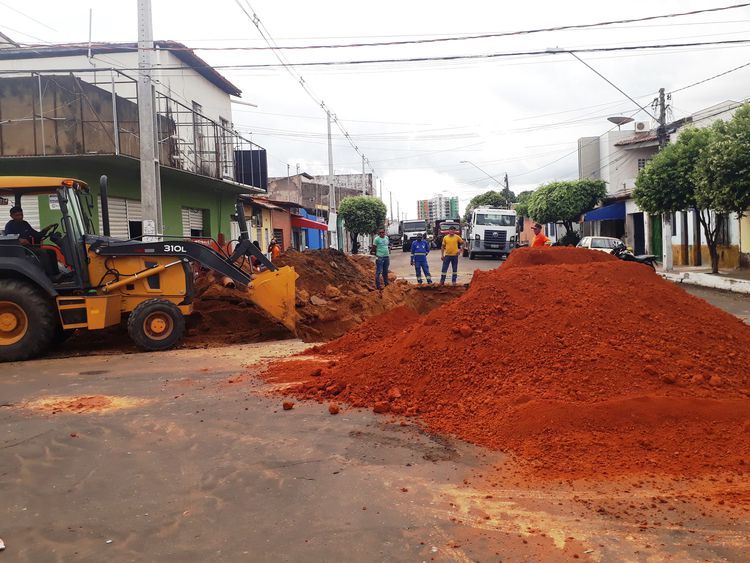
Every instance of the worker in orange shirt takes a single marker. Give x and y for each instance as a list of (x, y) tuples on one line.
[(540, 239), (274, 250)]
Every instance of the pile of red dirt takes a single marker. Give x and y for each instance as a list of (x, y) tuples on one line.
[(576, 362), (336, 292)]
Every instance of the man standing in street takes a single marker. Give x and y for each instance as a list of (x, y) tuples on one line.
[(382, 258), (419, 250), (540, 239), (449, 254)]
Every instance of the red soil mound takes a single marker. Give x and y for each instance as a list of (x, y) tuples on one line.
[(587, 366)]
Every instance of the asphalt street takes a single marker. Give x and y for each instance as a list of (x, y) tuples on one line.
[(186, 456)]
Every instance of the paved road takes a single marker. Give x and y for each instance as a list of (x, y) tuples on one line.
[(400, 265), (195, 463)]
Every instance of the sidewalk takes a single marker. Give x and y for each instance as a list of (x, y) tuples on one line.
[(737, 281)]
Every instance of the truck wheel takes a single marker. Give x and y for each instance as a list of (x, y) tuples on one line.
[(27, 321), (156, 324), (465, 253), (471, 256)]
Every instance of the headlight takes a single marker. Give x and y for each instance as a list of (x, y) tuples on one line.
[(477, 237)]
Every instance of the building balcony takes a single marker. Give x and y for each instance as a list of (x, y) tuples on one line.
[(85, 113)]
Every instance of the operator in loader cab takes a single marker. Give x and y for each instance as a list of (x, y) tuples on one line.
[(26, 233)]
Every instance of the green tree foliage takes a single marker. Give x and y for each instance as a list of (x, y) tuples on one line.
[(490, 199), (707, 169), (362, 215), (522, 203), (667, 183), (565, 202)]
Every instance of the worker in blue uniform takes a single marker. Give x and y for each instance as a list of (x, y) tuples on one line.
[(419, 250)]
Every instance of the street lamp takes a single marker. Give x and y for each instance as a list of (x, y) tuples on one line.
[(490, 176)]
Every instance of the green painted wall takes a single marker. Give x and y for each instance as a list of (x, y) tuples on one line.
[(124, 181)]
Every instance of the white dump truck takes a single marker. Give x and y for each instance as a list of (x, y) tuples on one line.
[(491, 231)]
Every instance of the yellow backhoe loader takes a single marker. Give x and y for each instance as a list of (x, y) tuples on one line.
[(88, 281)]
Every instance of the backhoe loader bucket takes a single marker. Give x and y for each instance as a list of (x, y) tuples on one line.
[(274, 293)]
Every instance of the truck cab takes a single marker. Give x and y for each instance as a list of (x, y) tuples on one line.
[(409, 228), (442, 228), (491, 231)]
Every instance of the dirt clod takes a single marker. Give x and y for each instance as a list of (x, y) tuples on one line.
[(287, 405)]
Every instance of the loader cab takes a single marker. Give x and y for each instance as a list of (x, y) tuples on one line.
[(59, 262)]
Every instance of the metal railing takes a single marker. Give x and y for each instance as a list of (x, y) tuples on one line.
[(84, 112)]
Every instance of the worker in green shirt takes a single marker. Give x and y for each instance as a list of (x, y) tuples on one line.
[(382, 258)]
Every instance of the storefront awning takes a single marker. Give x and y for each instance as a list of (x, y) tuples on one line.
[(302, 223), (611, 212)]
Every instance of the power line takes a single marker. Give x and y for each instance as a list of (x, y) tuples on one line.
[(710, 78), (479, 56), (482, 35), (290, 68), (615, 86)]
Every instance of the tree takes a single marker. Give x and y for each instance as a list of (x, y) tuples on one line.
[(362, 215), (565, 202), (722, 177), (522, 203), (490, 199), (668, 184)]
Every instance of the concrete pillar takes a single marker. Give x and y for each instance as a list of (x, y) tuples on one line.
[(667, 242)]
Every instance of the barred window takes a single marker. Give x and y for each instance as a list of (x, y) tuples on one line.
[(642, 162)]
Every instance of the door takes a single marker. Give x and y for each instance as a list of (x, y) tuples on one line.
[(656, 247), (684, 238), (639, 236)]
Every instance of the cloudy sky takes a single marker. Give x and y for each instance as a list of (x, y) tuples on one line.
[(417, 121)]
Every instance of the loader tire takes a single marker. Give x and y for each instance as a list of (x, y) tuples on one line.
[(27, 321), (156, 325)]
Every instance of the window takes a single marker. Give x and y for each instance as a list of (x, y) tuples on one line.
[(278, 234), (198, 135), (600, 243), (227, 154), (495, 220), (722, 236), (642, 162)]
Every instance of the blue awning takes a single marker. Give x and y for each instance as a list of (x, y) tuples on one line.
[(611, 212)]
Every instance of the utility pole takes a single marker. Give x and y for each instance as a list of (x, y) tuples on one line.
[(380, 183), (661, 133), (398, 210), (332, 218), (150, 176), (364, 186), (390, 207)]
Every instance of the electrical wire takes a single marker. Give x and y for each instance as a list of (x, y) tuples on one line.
[(480, 36), (292, 70)]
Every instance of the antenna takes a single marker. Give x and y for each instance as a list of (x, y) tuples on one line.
[(91, 18), (620, 120)]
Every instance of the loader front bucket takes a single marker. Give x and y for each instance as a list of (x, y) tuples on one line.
[(274, 292)]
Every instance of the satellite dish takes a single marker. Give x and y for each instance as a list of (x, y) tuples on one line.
[(620, 120)]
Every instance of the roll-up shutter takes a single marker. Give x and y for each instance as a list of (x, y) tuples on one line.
[(192, 221), (30, 206), (118, 218), (135, 210)]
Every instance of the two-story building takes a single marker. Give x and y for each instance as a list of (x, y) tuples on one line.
[(72, 110), (617, 157)]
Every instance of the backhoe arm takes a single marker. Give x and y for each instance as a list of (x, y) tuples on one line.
[(193, 251)]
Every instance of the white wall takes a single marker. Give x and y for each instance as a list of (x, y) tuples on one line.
[(185, 85)]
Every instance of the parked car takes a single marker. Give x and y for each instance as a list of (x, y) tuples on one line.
[(603, 244)]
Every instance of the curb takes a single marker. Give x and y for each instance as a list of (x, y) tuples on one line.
[(708, 280)]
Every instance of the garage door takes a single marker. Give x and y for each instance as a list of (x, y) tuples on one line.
[(192, 222), (30, 205)]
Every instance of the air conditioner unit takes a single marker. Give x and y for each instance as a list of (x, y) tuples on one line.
[(642, 126)]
